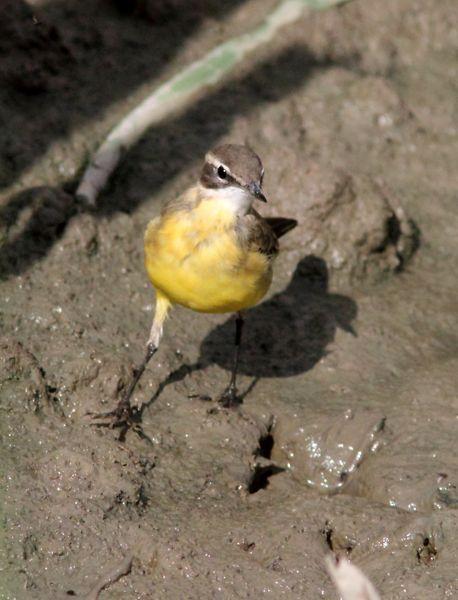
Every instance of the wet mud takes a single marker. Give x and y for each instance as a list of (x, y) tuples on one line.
[(345, 440)]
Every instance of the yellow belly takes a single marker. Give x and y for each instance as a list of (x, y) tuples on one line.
[(192, 257)]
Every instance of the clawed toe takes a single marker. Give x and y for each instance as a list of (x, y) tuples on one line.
[(229, 398), (123, 416), (203, 397)]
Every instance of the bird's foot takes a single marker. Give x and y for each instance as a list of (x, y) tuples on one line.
[(229, 398), (124, 417)]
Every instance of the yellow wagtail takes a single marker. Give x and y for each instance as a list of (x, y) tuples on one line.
[(210, 251)]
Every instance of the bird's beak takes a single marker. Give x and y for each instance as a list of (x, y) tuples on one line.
[(255, 189)]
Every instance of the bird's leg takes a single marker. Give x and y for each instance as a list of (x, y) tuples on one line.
[(122, 415), (123, 410), (229, 396)]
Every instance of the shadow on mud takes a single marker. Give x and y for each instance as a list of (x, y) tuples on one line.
[(63, 64), (165, 150), (289, 333)]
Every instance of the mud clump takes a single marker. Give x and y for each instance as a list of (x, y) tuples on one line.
[(352, 223), (347, 215), (326, 453)]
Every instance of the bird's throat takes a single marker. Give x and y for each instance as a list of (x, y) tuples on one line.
[(234, 199)]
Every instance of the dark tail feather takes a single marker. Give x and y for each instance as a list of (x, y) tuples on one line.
[(280, 225)]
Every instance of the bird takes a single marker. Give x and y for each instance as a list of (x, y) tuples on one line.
[(210, 251)]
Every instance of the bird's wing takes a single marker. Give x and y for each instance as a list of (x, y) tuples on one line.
[(254, 233), (257, 233), (280, 225)]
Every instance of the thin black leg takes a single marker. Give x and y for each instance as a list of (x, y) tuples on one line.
[(229, 396), (124, 407)]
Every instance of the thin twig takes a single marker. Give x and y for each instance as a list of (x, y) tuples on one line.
[(184, 88), (122, 569)]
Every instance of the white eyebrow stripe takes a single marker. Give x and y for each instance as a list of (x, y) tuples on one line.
[(212, 160)]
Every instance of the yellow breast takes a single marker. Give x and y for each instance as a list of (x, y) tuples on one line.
[(194, 258)]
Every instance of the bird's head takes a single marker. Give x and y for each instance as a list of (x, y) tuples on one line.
[(234, 172)]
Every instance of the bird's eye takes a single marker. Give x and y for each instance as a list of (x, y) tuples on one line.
[(222, 173)]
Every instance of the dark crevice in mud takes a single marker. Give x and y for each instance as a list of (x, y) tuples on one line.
[(426, 553), (415, 242), (393, 234), (262, 472), (53, 398), (266, 443), (260, 477), (327, 532), (394, 237), (334, 542), (394, 229)]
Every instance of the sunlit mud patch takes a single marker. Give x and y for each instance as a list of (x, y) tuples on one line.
[(412, 481), (326, 452), (413, 541)]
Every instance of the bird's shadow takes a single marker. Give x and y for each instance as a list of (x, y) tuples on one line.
[(285, 335), (289, 333)]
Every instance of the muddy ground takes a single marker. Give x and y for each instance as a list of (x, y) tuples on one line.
[(346, 438)]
